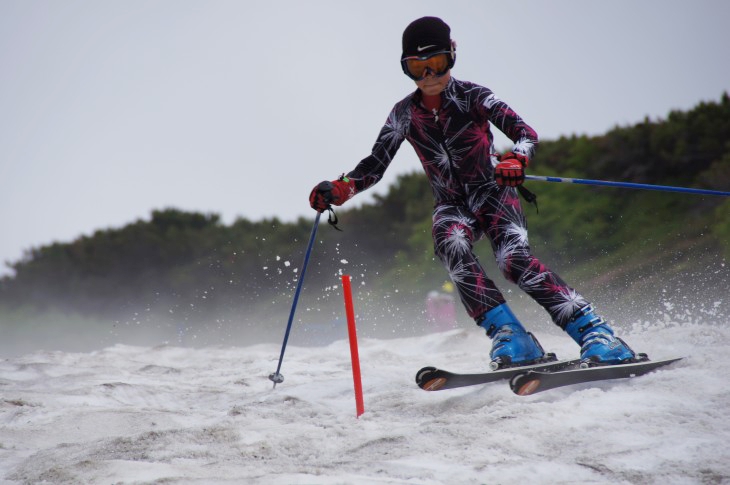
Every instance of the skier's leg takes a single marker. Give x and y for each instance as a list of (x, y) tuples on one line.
[(503, 220), (501, 217), (454, 233)]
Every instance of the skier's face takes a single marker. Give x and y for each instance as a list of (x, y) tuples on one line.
[(432, 85)]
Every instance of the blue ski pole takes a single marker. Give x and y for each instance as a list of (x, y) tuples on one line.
[(628, 185), (276, 376)]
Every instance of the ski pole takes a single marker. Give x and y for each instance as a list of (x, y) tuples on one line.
[(276, 377), (627, 185)]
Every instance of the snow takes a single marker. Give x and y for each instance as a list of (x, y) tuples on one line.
[(166, 414)]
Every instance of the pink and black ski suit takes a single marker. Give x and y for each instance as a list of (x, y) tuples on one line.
[(455, 146)]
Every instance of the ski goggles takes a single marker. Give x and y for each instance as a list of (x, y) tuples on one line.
[(437, 64)]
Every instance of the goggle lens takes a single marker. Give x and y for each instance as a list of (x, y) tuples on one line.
[(418, 68)]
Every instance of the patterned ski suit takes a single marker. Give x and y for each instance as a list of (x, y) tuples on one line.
[(455, 146)]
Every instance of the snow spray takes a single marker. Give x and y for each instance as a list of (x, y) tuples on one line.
[(352, 332)]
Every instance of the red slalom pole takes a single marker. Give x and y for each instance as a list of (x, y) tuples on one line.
[(352, 332)]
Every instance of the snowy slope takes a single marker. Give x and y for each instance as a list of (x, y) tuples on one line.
[(175, 415)]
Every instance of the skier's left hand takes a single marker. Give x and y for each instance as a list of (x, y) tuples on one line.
[(511, 169)]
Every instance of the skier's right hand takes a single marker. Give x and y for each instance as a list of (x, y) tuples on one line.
[(336, 192)]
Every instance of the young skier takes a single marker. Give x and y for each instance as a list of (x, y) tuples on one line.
[(447, 122)]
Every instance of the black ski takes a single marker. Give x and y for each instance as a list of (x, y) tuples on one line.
[(531, 381), (433, 379)]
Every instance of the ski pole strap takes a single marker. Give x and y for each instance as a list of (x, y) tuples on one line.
[(530, 197), (332, 219)]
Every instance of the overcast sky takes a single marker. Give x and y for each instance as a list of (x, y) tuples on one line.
[(111, 109)]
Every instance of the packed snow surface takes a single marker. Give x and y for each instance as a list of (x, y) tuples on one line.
[(169, 414)]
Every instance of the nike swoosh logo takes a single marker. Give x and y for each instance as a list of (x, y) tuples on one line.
[(420, 49)]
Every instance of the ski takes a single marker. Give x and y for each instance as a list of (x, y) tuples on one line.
[(531, 381), (433, 379)]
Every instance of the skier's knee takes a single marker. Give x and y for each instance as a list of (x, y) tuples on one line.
[(451, 240)]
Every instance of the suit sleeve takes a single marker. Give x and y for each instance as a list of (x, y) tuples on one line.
[(371, 168), (511, 124)]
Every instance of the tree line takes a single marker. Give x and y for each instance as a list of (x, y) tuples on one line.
[(187, 263)]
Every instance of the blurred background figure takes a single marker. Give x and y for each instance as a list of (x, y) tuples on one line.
[(441, 308)]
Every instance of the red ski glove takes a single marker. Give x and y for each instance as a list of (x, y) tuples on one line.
[(336, 192), (511, 169)]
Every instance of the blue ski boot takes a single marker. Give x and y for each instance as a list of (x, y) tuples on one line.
[(512, 345), (598, 345)]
